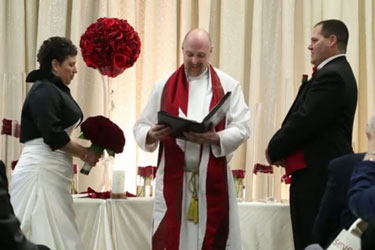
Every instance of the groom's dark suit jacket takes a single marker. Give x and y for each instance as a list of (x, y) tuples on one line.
[(320, 123)]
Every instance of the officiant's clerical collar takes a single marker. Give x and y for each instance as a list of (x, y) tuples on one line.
[(193, 78)]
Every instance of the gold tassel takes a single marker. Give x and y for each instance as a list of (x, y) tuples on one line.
[(193, 212)]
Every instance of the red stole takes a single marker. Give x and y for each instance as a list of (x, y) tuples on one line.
[(167, 236)]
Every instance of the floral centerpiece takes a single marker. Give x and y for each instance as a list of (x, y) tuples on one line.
[(238, 176), (104, 135), (144, 182), (110, 45), (260, 168), (11, 127), (6, 129)]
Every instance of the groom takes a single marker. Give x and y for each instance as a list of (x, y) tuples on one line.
[(318, 126)]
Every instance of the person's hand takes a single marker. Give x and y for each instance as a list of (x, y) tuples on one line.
[(157, 132), (279, 163), (209, 137), (91, 157)]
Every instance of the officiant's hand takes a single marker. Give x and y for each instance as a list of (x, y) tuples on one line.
[(157, 132), (209, 137)]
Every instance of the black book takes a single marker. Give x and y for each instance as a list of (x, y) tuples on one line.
[(180, 125)]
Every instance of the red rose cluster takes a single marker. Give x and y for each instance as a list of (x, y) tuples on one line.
[(103, 132), (11, 127), (260, 168), (110, 45), (148, 171), (238, 173)]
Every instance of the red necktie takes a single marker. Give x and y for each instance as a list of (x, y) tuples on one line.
[(314, 70)]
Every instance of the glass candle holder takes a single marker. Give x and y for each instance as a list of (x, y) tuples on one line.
[(140, 186), (144, 186), (238, 182)]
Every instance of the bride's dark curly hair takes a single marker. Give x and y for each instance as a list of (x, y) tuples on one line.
[(59, 48)]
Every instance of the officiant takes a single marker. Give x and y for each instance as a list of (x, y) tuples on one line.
[(195, 204)]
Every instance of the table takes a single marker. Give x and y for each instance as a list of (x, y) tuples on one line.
[(93, 223), (126, 224)]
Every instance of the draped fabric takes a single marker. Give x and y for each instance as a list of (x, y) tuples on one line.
[(262, 43), (40, 195)]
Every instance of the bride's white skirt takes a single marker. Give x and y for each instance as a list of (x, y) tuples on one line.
[(40, 195)]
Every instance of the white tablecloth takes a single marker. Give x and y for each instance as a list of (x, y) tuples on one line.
[(126, 224), (93, 224), (265, 226)]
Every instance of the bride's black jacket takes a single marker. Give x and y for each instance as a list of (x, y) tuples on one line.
[(48, 110)]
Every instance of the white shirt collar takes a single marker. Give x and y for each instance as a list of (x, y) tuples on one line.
[(322, 64), (192, 78)]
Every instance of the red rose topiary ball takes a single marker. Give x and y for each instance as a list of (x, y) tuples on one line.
[(110, 45)]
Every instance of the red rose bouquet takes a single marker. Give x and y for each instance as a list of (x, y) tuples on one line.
[(110, 45), (145, 177), (238, 176), (104, 135)]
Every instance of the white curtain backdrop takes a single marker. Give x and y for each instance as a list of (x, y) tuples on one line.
[(262, 43)]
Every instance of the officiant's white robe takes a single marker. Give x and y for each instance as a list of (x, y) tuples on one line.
[(236, 132)]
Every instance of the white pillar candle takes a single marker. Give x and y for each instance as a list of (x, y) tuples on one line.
[(118, 181)]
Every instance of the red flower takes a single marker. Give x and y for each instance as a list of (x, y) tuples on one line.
[(304, 78), (110, 45), (13, 164), (104, 133), (75, 168), (7, 127), (91, 193), (266, 169), (238, 173), (286, 178), (148, 171), (11, 127), (97, 195)]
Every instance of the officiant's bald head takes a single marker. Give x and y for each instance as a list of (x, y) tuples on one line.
[(196, 48)]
